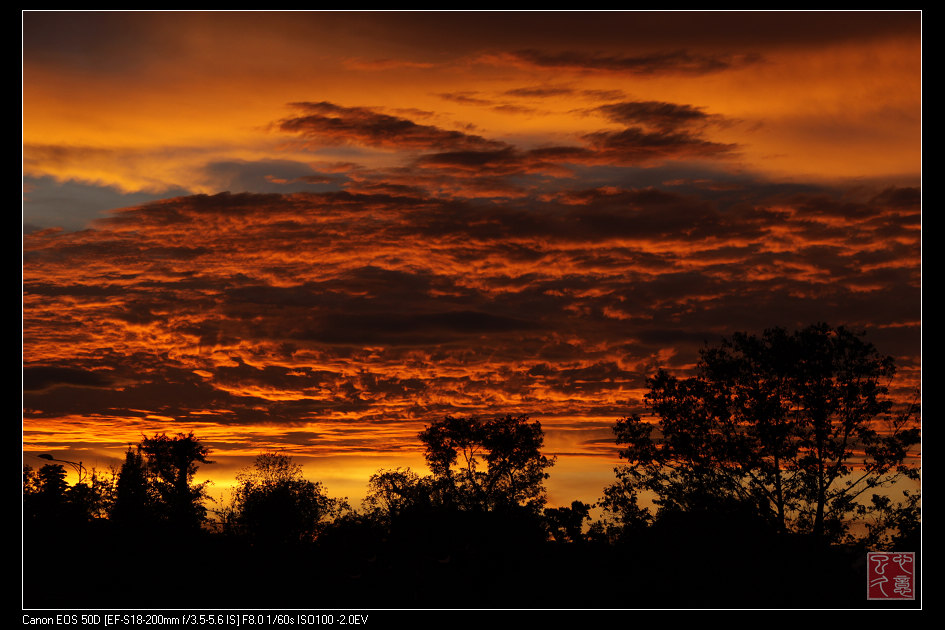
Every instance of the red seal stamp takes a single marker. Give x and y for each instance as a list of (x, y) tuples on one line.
[(890, 575)]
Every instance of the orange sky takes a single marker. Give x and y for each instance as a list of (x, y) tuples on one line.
[(336, 226)]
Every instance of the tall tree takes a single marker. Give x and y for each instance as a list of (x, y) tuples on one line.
[(795, 426), (45, 493), (133, 497), (172, 463), (487, 464)]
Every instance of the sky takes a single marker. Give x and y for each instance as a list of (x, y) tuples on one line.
[(316, 232)]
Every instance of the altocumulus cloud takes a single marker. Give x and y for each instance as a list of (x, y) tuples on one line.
[(334, 307)]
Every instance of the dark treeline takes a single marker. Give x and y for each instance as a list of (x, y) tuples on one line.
[(761, 483)]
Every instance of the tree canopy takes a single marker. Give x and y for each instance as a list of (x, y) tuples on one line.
[(796, 428), (273, 502), (487, 464), (171, 465), (134, 501), (391, 493)]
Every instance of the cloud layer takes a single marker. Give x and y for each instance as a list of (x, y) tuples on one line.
[(343, 309)]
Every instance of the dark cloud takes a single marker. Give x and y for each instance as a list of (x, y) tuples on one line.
[(330, 123), (504, 160), (634, 145), (386, 189), (604, 95), (540, 91), (458, 165), (654, 114), (399, 328), (43, 377), (680, 61), (467, 98), (268, 176), (78, 290), (101, 41), (899, 198), (124, 42), (588, 216)]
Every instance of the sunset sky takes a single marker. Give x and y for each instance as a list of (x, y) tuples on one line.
[(318, 231)]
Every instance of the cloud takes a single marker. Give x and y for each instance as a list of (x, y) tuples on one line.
[(467, 98), (267, 176), (634, 145), (335, 124), (459, 165), (673, 62), (72, 205), (379, 65), (406, 328), (320, 314), (657, 115), (540, 91), (45, 377)]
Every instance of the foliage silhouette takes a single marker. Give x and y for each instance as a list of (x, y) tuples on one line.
[(566, 524), (465, 534), (274, 503), (50, 500), (93, 499), (172, 463), (134, 499), (894, 525), (487, 464), (782, 425), (44, 493), (52, 482), (393, 493)]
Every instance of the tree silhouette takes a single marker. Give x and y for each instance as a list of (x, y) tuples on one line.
[(274, 503), (172, 463), (44, 494), (391, 493), (894, 525), (52, 482), (566, 523), (133, 505), (93, 498), (782, 425), (30, 481), (487, 464), (48, 499)]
